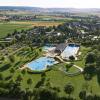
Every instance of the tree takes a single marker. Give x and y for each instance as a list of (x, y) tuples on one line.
[(43, 74), (89, 96), (29, 81), (69, 89), (14, 89), (96, 97), (12, 70), (40, 83), (45, 94), (40, 50), (89, 71), (1, 77), (82, 94), (90, 58), (28, 95), (3, 92), (19, 78), (72, 58), (12, 58), (23, 72)]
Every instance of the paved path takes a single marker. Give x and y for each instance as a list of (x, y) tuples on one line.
[(81, 69)]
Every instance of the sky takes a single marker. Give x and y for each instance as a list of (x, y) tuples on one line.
[(53, 3)]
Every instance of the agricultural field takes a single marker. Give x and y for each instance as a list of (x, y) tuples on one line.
[(6, 28), (9, 27), (16, 12), (37, 23)]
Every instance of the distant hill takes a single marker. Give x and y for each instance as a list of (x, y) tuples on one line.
[(17, 8), (38, 9)]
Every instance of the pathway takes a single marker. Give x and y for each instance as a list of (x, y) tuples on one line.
[(81, 69)]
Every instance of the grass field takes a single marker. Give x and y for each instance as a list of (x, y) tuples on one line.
[(6, 28), (9, 27), (57, 78)]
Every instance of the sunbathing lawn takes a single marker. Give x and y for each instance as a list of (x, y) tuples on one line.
[(57, 78)]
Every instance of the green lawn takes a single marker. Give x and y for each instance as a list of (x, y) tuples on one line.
[(57, 78), (6, 28)]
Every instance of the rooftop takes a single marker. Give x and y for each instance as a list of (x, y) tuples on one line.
[(60, 47)]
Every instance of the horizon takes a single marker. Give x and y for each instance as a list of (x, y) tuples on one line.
[(50, 7), (53, 3)]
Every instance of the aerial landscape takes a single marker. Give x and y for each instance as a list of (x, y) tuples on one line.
[(50, 50)]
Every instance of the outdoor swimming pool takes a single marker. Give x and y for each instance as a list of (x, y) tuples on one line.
[(70, 50), (41, 63)]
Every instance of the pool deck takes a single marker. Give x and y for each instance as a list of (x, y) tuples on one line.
[(40, 64)]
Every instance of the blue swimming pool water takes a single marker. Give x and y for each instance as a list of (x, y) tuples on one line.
[(41, 63)]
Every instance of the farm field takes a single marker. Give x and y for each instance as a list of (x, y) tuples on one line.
[(47, 23), (17, 13), (37, 23), (6, 28), (9, 27)]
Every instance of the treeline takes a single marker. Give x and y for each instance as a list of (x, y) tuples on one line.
[(92, 63)]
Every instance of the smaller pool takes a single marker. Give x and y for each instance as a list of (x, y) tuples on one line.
[(41, 63)]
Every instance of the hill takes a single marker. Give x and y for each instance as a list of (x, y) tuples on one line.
[(39, 9)]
